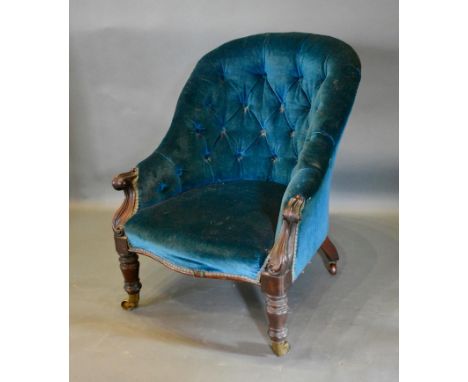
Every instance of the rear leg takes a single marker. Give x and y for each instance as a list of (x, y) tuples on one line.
[(331, 255)]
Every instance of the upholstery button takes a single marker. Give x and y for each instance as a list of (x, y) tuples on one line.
[(291, 133), (197, 126), (274, 158), (238, 156), (246, 108), (263, 133), (281, 109)]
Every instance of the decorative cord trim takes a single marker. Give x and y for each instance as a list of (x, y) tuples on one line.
[(293, 262), (194, 273)]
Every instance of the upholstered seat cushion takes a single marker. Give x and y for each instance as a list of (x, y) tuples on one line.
[(224, 228)]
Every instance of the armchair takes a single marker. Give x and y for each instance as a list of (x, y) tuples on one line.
[(238, 188)]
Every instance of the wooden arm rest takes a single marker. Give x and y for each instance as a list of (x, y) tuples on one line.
[(125, 182), (282, 253)]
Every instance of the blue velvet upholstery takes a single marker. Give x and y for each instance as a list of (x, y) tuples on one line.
[(220, 228), (258, 122)]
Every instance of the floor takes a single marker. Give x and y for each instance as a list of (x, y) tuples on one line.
[(342, 328)]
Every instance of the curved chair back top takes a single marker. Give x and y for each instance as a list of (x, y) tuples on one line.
[(251, 106)]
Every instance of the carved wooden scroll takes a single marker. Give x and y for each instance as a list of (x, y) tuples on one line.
[(125, 182), (282, 253)]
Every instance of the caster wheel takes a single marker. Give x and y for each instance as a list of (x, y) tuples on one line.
[(131, 303), (280, 348)]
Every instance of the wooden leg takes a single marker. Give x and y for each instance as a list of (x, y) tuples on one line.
[(130, 267), (129, 264), (274, 288), (331, 255), (277, 311), (277, 276)]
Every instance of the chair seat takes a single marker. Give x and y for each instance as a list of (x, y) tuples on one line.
[(224, 228)]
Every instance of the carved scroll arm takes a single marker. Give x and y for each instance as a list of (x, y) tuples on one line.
[(282, 253), (125, 182)]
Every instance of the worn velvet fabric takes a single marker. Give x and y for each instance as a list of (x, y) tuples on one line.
[(219, 228), (258, 122)]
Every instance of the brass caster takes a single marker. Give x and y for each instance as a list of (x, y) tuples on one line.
[(332, 268), (131, 303), (280, 348)]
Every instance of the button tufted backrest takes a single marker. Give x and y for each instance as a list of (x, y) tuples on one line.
[(249, 108)]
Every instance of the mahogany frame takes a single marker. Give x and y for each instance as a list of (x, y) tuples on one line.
[(275, 279)]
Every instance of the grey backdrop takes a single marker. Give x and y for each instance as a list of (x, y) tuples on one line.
[(130, 59)]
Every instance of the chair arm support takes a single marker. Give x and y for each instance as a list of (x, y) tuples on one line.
[(304, 202), (303, 184), (281, 254), (126, 182)]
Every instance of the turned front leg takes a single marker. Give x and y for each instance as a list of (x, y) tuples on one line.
[(277, 312), (130, 267), (274, 288)]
